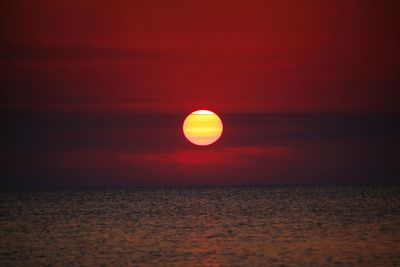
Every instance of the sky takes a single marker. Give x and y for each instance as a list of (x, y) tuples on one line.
[(94, 93)]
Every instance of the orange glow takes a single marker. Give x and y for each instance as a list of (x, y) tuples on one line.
[(202, 127)]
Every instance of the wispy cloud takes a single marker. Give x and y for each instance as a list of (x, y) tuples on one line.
[(230, 156)]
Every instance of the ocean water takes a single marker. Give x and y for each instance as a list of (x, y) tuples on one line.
[(203, 226)]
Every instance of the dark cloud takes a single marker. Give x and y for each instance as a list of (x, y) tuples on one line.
[(65, 148)]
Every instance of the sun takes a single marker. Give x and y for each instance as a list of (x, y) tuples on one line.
[(202, 127)]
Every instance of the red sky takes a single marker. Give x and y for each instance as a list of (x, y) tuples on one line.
[(163, 56), (94, 92)]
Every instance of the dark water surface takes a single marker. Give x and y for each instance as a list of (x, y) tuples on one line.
[(205, 226)]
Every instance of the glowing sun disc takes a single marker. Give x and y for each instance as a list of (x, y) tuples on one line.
[(202, 127)]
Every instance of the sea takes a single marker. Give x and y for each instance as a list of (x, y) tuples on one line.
[(202, 226)]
